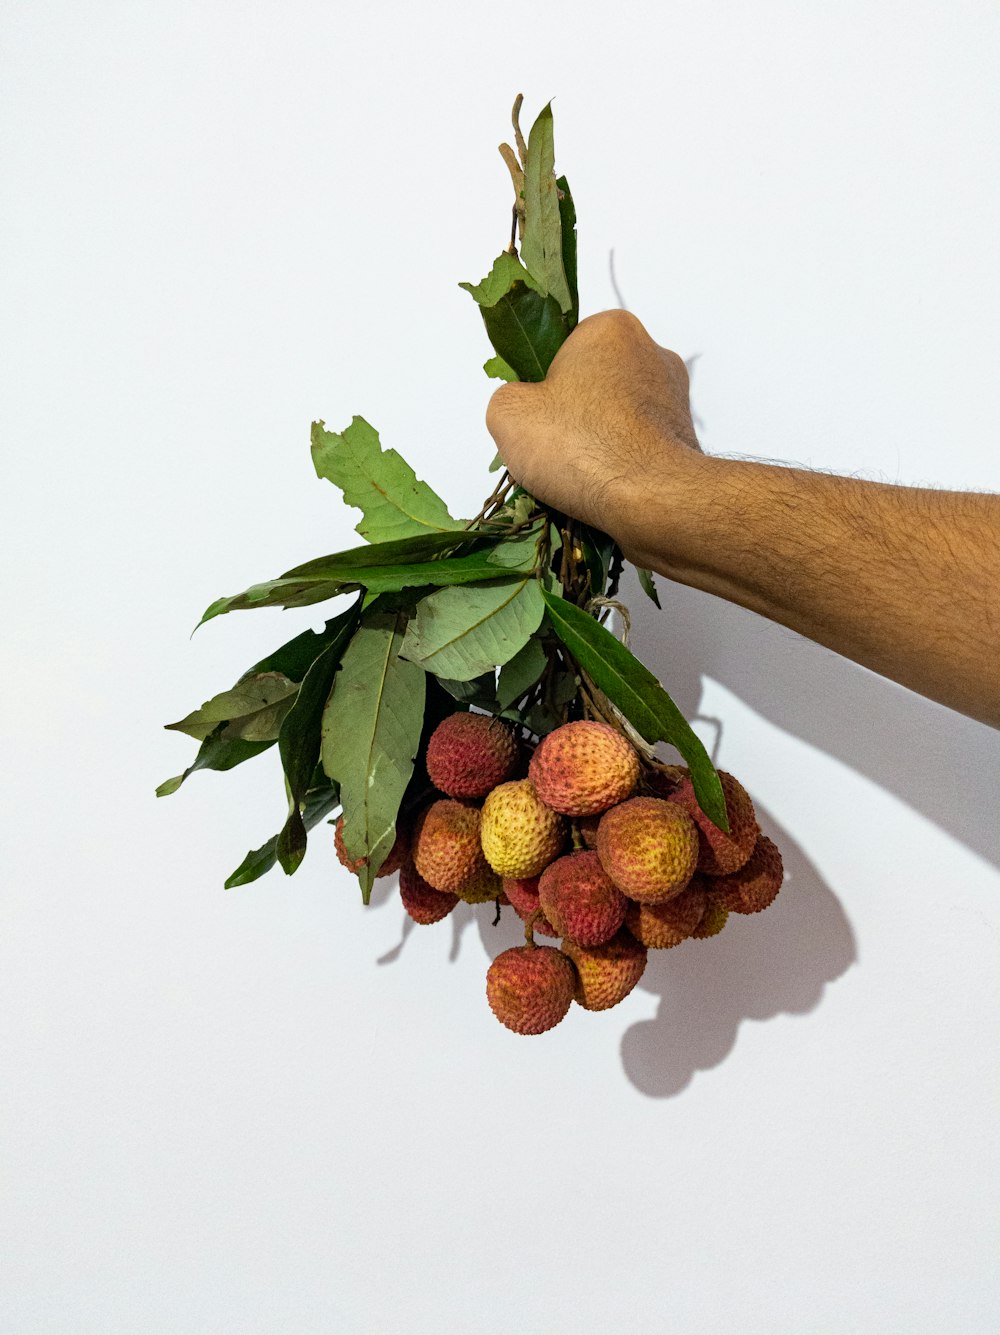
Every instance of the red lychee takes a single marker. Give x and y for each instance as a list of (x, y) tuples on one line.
[(756, 884), (606, 974), (468, 754), (720, 853), (529, 988), (661, 926), (580, 900), (422, 902), (522, 895), (583, 767)]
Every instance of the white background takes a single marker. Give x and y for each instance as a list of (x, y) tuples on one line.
[(269, 1110)]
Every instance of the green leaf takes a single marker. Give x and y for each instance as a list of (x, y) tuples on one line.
[(319, 802), (370, 736), (217, 752), (567, 217), (519, 674), (542, 246), (296, 657), (647, 585), (401, 551), (380, 483), (299, 740), (506, 271), (517, 552), (631, 686), (497, 463), (497, 369), (329, 577), (462, 633), (253, 709), (526, 330)]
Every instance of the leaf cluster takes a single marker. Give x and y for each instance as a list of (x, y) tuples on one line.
[(496, 613)]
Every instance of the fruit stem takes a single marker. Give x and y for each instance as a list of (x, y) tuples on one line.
[(529, 927)]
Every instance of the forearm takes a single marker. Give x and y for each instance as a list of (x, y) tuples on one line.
[(903, 580)]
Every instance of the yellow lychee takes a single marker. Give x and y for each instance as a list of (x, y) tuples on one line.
[(713, 920), (606, 974), (484, 885), (530, 988), (446, 847), (583, 767), (520, 834), (649, 848)]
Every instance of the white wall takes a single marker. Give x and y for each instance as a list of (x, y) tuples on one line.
[(269, 1110)]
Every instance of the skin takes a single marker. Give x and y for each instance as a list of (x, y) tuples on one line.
[(904, 580)]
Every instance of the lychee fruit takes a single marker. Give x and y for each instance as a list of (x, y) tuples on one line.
[(661, 926), (468, 754), (756, 884), (583, 767), (422, 902), (606, 974), (523, 896), (649, 848), (712, 921), (393, 859), (446, 847), (520, 834), (580, 900), (484, 886), (529, 988), (721, 853)]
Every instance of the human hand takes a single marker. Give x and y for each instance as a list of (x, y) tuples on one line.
[(610, 421)]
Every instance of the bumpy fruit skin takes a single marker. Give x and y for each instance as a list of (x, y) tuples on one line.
[(722, 854), (712, 922), (484, 886), (393, 860), (583, 768), (522, 895), (580, 899), (755, 886), (649, 848), (520, 834), (661, 926), (422, 902), (530, 988), (606, 974), (446, 848), (468, 754)]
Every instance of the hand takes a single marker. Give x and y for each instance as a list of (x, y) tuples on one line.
[(610, 421)]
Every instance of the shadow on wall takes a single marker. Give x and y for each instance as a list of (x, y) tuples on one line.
[(777, 962)]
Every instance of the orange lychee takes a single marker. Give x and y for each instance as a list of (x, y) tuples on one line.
[(530, 988), (649, 848), (606, 974), (583, 767)]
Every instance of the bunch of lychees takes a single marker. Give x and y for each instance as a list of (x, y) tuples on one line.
[(585, 841)]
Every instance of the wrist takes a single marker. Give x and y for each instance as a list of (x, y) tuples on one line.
[(667, 514)]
